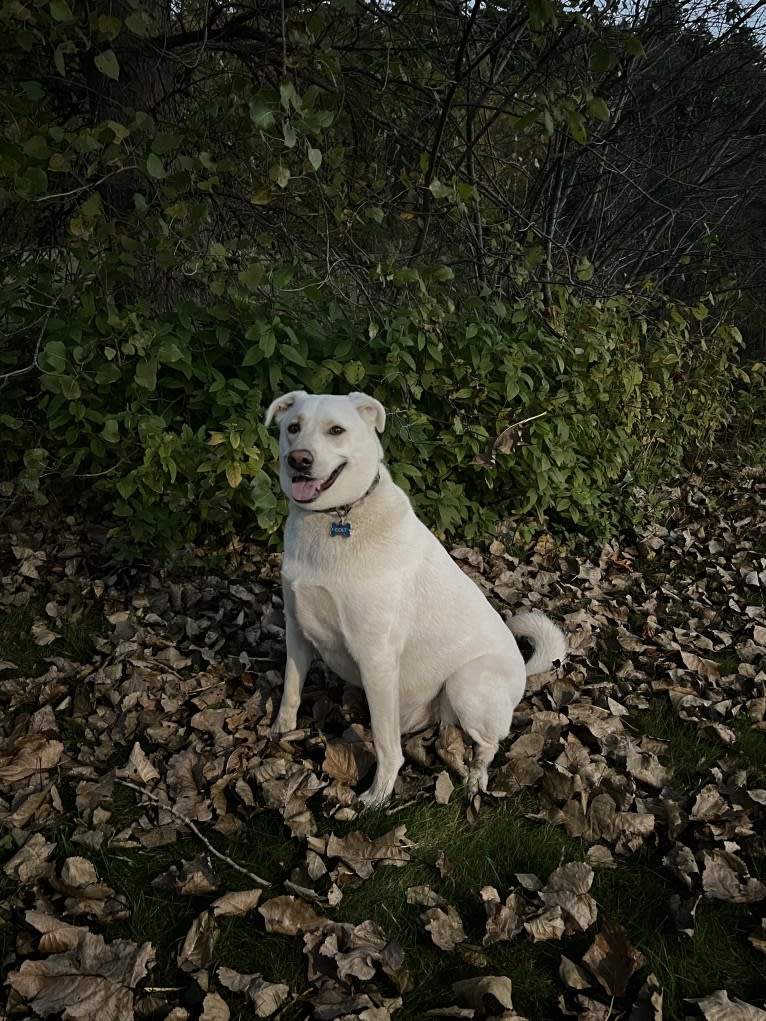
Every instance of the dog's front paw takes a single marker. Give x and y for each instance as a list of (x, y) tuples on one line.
[(283, 724)]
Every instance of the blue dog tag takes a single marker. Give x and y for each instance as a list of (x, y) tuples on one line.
[(340, 528)]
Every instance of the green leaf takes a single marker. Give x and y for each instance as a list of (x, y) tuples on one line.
[(139, 23), (111, 430), (30, 184), (36, 147), (634, 47), (154, 166), (54, 355), (91, 206), (597, 108), (576, 125), (282, 176), (315, 157), (110, 26), (268, 343), (61, 11), (585, 270), (108, 64), (288, 133), (602, 59), (292, 355), (251, 276), (146, 373), (261, 114)]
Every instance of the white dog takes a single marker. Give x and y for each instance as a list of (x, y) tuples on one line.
[(375, 594)]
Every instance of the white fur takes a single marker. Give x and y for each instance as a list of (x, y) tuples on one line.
[(387, 607)]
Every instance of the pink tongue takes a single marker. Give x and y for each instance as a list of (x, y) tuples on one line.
[(306, 489)]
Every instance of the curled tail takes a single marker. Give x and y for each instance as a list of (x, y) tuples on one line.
[(550, 645)]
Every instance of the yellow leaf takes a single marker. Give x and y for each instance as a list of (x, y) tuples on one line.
[(234, 474)]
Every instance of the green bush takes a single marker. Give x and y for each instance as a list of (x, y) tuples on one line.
[(158, 419)]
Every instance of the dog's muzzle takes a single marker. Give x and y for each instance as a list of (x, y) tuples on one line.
[(305, 488)]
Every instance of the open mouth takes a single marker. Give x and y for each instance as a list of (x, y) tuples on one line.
[(305, 489)]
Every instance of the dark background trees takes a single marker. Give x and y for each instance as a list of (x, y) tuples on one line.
[(202, 202)]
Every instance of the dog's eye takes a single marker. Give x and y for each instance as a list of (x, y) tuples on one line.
[(294, 427), (336, 430)]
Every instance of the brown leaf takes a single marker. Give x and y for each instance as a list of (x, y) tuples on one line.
[(568, 887), (32, 754), (612, 959), (184, 770), (236, 903), (138, 767), (31, 860), (704, 668), (648, 1005), (445, 926), (452, 749), (443, 788), (725, 877), (214, 1008), (505, 443), (572, 975), (476, 992), (504, 920), (548, 924), (191, 879), (92, 980), (350, 759), (196, 952), (718, 1007), (56, 936), (266, 997), (290, 915), (362, 854)]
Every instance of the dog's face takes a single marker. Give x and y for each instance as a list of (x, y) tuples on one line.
[(329, 450)]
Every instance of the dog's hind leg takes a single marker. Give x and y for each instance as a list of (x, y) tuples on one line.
[(482, 695)]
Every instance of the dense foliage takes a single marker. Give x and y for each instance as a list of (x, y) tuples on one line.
[(479, 212)]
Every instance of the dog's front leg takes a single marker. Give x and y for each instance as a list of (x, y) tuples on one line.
[(299, 655), (381, 685)]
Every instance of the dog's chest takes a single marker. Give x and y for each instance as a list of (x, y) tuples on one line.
[(318, 616)]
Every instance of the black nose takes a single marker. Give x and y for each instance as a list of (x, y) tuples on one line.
[(300, 460)]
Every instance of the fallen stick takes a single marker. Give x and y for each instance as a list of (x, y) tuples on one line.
[(195, 830)]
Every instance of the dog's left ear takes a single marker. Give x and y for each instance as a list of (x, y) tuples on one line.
[(370, 409)]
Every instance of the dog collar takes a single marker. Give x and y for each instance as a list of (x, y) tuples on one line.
[(342, 527)]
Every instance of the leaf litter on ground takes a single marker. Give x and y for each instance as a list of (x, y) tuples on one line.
[(174, 706)]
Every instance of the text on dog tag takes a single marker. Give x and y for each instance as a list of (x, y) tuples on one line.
[(340, 528)]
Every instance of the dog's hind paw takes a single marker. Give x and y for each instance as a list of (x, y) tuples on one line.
[(377, 794)]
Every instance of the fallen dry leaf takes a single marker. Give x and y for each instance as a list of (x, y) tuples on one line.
[(362, 854), (92, 980), (612, 959), (290, 915), (196, 951), (718, 1007), (266, 997), (568, 887), (485, 993)]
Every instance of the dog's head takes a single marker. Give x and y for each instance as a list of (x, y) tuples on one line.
[(329, 451)]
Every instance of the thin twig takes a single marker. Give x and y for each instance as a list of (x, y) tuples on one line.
[(195, 830)]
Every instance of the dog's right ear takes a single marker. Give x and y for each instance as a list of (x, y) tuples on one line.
[(278, 407)]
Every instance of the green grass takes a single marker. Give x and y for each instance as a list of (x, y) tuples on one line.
[(30, 659)]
